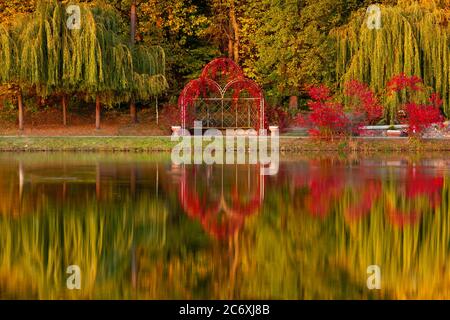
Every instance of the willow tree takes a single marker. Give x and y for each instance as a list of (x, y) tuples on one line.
[(45, 49), (10, 82), (149, 79), (414, 39), (115, 71), (94, 61)]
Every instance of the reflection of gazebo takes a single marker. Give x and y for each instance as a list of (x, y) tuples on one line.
[(222, 98), (225, 214)]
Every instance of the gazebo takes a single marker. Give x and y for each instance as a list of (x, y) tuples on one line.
[(222, 98)]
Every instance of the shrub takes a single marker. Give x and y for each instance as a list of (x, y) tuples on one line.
[(327, 117), (363, 102), (420, 117)]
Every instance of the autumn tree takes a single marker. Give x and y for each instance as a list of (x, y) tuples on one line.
[(94, 62), (291, 42), (413, 40)]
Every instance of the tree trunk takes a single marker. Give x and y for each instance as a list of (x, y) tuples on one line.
[(157, 111), (97, 112), (230, 48), (20, 103), (64, 109), (293, 102), (133, 22), (133, 112), (235, 32)]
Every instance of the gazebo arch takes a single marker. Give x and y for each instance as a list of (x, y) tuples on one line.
[(222, 98)]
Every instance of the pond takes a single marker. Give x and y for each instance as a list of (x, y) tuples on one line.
[(139, 227)]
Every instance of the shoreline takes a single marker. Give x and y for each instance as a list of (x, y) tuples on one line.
[(288, 144)]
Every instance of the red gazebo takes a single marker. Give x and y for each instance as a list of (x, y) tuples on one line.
[(222, 98)]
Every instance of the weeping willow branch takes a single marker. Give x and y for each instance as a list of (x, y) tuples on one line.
[(43, 55), (414, 39)]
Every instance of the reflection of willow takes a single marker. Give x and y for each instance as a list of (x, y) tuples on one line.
[(406, 234), (36, 249), (219, 217), (371, 221)]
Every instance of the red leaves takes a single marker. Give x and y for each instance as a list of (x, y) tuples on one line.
[(420, 117), (364, 102), (327, 117), (435, 100), (277, 116), (401, 81), (320, 93), (222, 69), (221, 79)]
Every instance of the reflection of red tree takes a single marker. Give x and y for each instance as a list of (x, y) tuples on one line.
[(419, 184), (218, 218), (401, 218), (371, 192), (323, 191), (325, 187)]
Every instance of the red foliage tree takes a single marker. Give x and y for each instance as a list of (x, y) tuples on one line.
[(363, 102), (401, 81), (420, 117), (327, 117)]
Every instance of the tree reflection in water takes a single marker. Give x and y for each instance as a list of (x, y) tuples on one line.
[(145, 229)]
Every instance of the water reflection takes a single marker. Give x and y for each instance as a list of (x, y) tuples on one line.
[(220, 197), (144, 228)]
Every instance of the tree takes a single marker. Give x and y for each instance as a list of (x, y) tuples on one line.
[(94, 62), (414, 40), (10, 9), (11, 82), (180, 27)]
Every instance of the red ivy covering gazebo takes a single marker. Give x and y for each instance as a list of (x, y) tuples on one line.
[(222, 98)]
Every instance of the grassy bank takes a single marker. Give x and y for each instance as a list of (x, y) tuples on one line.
[(158, 144)]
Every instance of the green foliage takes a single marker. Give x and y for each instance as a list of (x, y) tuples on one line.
[(94, 60), (285, 45), (179, 26), (292, 46), (414, 40)]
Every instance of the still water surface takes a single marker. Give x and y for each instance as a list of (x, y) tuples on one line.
[(141, 228)]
